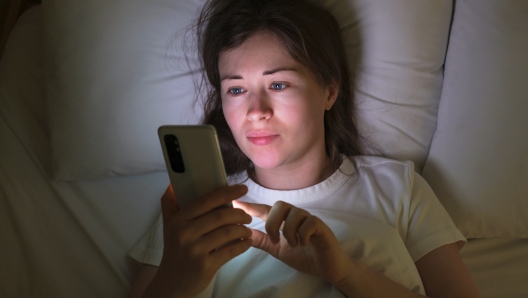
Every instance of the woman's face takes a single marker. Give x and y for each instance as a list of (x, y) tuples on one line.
[(273, 104)]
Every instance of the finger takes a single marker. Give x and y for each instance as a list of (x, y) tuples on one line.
[(276, 216), (224, 235), (295, 219), (213, 200), (310, 227), (263, 242), (169, 207), (220, 217), (228, 252), (257, 210)]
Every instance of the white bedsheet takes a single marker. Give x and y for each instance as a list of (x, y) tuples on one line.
[(61, 239), (499, 266), (68, 239)]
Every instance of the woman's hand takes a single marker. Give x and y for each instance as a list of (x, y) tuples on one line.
[(199, 239), (307, 243)]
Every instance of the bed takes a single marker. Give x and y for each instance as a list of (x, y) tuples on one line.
[(84, 86)]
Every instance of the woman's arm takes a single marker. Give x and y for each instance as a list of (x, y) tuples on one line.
[(145, 276), (308, 245), (442, 272)]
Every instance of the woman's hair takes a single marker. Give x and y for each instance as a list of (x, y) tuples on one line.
[(309, 33)]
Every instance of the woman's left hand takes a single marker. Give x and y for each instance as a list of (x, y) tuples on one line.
[(307, 243)]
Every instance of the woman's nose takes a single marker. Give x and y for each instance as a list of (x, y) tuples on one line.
[(259, 108)]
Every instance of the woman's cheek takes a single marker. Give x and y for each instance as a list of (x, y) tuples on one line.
[(231, 113)]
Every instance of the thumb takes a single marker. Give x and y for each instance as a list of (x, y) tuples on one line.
[(169, 207), (262, 241)]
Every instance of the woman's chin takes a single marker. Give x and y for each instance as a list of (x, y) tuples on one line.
[(265, 161)]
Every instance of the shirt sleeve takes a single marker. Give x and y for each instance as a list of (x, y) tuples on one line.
[(429, 224), (149, 249)]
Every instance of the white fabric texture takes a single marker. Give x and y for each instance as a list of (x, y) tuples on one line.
[(59, 239), (116, 73), (479, 154), (396, 51), (383, 214), (499, 266), (112, 78)]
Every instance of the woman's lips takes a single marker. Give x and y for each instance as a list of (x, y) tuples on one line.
[(262, 140)]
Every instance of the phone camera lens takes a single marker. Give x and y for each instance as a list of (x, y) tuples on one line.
[(173, 151)]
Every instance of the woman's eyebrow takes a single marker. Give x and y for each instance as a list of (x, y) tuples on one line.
[(231, 77), (265, 73), (279, 69)]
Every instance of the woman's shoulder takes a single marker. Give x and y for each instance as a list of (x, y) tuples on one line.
[(381, 163), (384, 172)]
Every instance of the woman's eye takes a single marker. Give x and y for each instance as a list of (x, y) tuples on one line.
[(278, 86), (236, 91)]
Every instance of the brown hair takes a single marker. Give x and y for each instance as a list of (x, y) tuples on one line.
[(310, 35)]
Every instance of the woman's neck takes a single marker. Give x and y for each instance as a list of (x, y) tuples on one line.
[(294, 176)]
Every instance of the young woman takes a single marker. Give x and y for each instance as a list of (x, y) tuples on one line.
[(312, 217)]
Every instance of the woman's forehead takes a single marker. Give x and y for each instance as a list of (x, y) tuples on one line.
[(263, 51)]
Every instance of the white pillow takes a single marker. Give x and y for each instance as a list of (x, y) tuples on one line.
[(478, 164), (115, 74), (111, 84), (400, 47)]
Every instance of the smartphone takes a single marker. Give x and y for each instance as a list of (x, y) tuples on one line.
[(194, 161)]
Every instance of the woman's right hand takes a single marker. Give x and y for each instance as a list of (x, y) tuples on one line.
[(198, 240)]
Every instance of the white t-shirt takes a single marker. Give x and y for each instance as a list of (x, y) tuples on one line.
[(381, 211)]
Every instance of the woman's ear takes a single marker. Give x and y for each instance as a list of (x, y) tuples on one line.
[(331, 95)]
